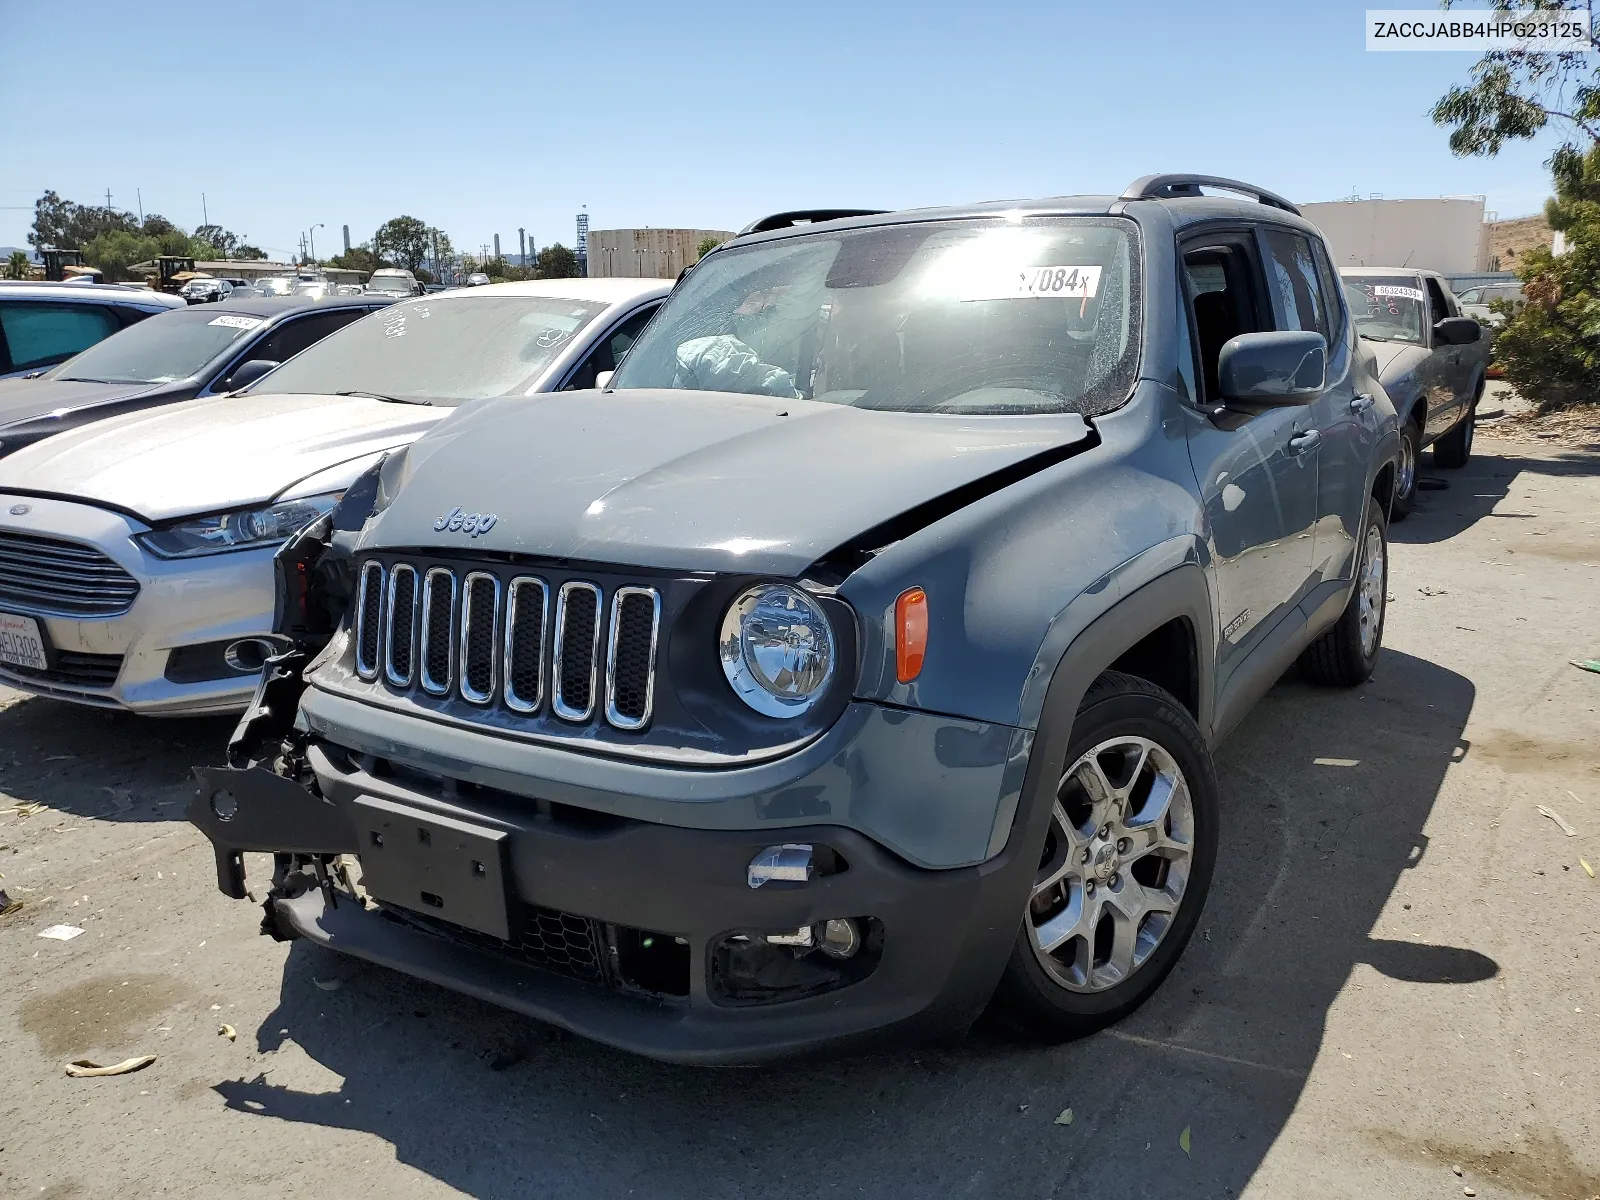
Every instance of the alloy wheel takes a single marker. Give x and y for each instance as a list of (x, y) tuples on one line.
[(1115, 866), (1372, 595), (1408, 466)]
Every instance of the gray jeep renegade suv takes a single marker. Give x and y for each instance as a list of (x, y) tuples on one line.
[(855, 659)]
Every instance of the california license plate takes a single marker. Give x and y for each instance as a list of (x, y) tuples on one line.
[(21, 642)]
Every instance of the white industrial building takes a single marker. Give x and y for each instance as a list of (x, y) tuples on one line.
[(646, 253), (1447, 235)]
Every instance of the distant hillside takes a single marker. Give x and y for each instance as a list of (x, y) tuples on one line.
[(1510, 241)]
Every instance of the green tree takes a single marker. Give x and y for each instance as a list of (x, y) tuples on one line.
[(1550, 349), (116, 250), (227, 244), (359, 258), (404, 240), (706, 246), (556, 262), (69, 226), (17, 265)]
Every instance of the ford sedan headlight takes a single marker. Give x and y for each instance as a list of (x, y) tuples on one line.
[(777, 649), (251, 529)]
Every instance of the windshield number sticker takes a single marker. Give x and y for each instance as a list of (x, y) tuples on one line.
[(233, 322), (1405, 293), (394, 324), (1037, 283)]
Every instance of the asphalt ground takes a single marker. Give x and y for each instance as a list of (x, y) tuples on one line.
[(1397, 974)]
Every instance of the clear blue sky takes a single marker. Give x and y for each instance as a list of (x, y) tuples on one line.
[(479, 117)]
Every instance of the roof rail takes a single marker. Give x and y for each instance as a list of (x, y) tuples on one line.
[(1169, 187), (806, 216)]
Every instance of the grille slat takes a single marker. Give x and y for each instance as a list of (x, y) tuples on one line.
[(631, 657), (400, 655), (369, 615), (577, 645), (480, 613), (527, 614), (496, 642), (66, 578), (438, 621)]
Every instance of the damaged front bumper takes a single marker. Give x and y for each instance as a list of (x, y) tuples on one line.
[(645, 936)]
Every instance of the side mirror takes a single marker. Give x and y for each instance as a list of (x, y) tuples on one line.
[(1273, 368), (1456, 331), (250, 372), (603, 379)]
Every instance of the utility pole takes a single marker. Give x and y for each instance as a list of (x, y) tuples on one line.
[(522, 247), (205, 217), (139, 196), (108, 197)]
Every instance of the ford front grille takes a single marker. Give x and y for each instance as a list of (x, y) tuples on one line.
[(62, 578), (492, 642)]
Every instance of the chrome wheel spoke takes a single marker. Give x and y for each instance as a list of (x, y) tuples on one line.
[(1093, 923)]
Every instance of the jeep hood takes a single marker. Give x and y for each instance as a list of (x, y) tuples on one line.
[(695, 481), (210, 454), (24, 399)]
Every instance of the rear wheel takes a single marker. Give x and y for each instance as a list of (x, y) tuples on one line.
[(1405, 475), (1345, 655), (1455, 448), (1125, 867)]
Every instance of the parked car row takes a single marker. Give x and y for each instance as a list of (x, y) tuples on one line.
[(827, 650)]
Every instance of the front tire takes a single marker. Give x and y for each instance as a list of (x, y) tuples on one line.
[(1454, 449), (1346, 653), (1125, 867), (1405, 475)]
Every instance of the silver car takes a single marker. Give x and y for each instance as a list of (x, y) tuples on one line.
[(136, 553), (1431, 360)]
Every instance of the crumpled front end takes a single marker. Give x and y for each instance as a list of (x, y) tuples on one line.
[(685, 888)]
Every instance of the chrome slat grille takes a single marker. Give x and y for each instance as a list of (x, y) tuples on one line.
[(577, 643), (480, 613), (527, 614), (399, 662), (631, 657), (498, 642), (438, 620), (49, 575), (369, 618)]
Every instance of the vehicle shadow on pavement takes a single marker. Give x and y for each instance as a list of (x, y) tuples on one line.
[(1326, 794), (1474, 492), (142, 768)]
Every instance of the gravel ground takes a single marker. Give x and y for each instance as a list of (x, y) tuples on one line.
[(1395, 980)]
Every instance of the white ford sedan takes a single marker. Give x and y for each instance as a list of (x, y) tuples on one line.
[(136, 553)]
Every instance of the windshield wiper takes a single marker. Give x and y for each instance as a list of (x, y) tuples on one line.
[(387, 399)]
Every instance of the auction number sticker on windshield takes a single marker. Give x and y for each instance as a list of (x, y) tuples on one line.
[(233, 322), (1404, 293), (1035, 283)]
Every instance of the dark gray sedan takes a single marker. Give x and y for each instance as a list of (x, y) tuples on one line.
[(178, 355)]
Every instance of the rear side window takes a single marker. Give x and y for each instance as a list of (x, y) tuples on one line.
[(1297, 298), (40, 335), (1331, 291)]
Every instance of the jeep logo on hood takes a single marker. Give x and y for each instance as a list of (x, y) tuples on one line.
[(455, 521)]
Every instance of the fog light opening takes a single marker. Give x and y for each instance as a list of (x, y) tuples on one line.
[(840, 938), (249, 655)]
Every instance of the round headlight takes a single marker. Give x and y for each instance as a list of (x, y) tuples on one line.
[(777, 649)]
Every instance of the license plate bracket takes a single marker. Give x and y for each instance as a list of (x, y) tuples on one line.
[(435, 865), (24, 642)]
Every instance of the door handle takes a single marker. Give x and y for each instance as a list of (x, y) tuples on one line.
[(1361, 403), (1301, 442)]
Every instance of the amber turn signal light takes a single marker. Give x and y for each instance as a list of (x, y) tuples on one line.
[(910, 633)]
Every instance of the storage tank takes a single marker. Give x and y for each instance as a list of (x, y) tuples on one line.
[(1447, 235), (646, 253)]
